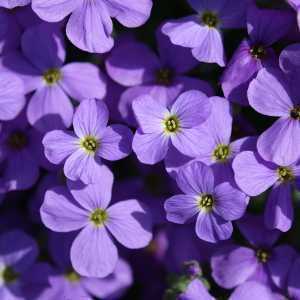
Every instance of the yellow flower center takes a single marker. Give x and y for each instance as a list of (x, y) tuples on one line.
[(52, 76)]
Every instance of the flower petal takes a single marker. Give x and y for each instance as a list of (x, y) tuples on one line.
[(252, 174), (93, 254), (293, 282), (196, 290), (115, 142), (195, 178), (60, 213), (130, 224), (181, 208)]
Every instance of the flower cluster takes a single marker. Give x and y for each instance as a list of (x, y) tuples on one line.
[(187, 109)]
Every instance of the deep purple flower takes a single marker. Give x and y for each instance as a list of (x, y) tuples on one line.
[(93, 252), (134, 65), (92, 140), (21, 154), (201, 32), (215, 148), (263, 262), (13, 3), (162, 128), (253, 175), (270, 95), (40, 65), (214, 206), (293, 284), (255, 52), (90, 26), (196, 290)]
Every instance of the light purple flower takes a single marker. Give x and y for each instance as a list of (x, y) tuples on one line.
[(255, 52), (216, 149), (82, 151), (90, 26), (195, 290), (40, 66), (262, 261), (161, 128), (135, 65), (201, 31), (93, 252), (254, 176), (214, 207), (269, 94)]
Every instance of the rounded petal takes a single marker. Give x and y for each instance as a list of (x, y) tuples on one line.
[(150, 148), (59, 145), (195, 178), (54, 11), (268, 94), (49, 109), (191, 108), (90, 118), (12, 98), (130, 13), (212, 228), (233, 265), (211, 49), (83, 81), (279, 211), (94, 195), (186, 32), (281, 142), (130, 224), (93, 253), (90, 27), (231, 203), (252, 174), (13, 3), (60, 213), (149, 114), (131, 63), (289, 58), (196, 290), (181, 208)]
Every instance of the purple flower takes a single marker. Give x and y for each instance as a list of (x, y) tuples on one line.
[(90, 26), (263, 262), (40, 65), (214, 206), (201, 32), (293, 285), (13, 3), (93, 252), (21, 153), (253, 175), (270, 95), (92, 140), (135, 65), (255, 52), (12, 99), (216, 149), (162, 128), (195, 290)]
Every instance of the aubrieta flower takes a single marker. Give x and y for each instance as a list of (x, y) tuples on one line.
[(90, 26), (254, 175), (82, 151), (13, 3), (21, 152), (134, 65), (12, 99), (161, 128), (195, 290), (201, 31), (261, 261), (216, 149), (40, 66), (269, 94), (93, 252), (255, 52), (214, 207)]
